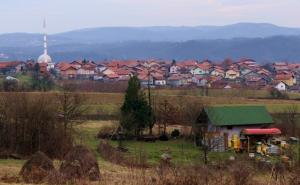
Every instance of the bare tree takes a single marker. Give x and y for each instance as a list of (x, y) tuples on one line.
[(29, 123), (289, 123), (166, 113), (291, 117), (70, 108), (190, 112), (206, 140)]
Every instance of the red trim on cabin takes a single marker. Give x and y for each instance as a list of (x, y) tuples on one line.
[(265, 131)]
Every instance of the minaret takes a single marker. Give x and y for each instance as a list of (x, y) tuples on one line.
[(45, 37), (45, 58)]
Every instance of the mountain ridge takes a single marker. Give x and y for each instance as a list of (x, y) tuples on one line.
[(261, 41)]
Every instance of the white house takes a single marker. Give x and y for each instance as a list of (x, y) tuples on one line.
[(160, 82), (174, 69), (232, 74), (217, 72), (100, 68), (198, 71), (281, 86)]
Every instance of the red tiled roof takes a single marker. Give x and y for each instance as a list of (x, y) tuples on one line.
[(9, 64), (66, 66), (280, 64), (88, 67), (143, 76), (120, 63), (123, 72), (111, 76), (204, 66), (188, 63), (283, 77), (158, 76), (175, 77)]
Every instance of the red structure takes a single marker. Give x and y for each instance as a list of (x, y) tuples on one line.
[(262, 131)]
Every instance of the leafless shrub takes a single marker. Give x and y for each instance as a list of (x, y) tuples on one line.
[(33, 123), (37, 168), (94, 86), (10, 179), (115, 156), (106, 131), (195, 175), (241, 172), (80, 163), (294, 178)]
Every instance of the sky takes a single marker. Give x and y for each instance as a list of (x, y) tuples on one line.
[(65, 15)]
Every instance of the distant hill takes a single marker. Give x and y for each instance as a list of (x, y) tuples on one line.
[(178, 34), (261, 49), (256, 40)]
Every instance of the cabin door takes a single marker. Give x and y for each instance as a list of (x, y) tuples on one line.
[(226, 140)]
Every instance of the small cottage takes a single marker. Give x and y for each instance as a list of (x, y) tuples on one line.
[(230, 121)]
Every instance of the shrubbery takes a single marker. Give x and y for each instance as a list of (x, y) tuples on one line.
[(175, 133), (163, 137), (106, 132), (276, 94), (35, 123)]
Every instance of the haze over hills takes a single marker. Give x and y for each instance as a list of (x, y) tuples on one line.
[(263, 42)]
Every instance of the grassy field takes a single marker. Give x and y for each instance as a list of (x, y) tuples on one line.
[(86, 133), (182, 151), (98, 102), (110, 103)]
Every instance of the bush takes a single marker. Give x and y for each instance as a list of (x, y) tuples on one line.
[(241, 172), (36, 169), (276, 94), (106, 132), (30, 124), (294, 178), (116, 156), (163, 137), (80, 163), (10, 85), (175, 133)]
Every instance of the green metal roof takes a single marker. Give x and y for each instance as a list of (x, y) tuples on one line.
[(238, 115)]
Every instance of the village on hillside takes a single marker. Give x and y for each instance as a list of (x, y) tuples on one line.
[(229, 74)]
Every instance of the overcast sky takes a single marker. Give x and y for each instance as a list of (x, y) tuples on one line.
[(64, 15)]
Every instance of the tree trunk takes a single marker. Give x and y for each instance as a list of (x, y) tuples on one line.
[(150, 130), (298, 149), (165, 128), (205, 156)]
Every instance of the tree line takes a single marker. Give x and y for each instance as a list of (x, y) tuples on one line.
[(38, 123)]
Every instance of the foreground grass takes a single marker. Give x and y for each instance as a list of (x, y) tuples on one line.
[(183, 152)]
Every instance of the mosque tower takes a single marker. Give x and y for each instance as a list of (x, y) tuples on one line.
[(45, 58)]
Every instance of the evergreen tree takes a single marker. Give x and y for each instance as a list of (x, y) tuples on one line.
[(135, 110)]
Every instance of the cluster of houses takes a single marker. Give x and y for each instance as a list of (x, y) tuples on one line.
[(245, 73)]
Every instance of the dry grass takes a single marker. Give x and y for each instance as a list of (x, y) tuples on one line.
[(109, 103)]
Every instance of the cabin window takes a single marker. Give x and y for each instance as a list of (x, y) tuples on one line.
[(229, 127)]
